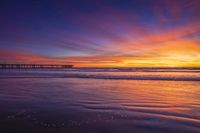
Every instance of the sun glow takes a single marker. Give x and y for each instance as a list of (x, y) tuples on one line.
[(157, 36)]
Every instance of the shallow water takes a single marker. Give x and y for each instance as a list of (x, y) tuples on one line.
[(98, 102)]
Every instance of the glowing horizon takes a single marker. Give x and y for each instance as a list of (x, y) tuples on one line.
[(154, 33)]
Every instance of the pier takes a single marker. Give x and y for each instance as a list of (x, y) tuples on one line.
[(33, 66)]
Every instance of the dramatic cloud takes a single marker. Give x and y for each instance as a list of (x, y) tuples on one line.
[(88, 33)]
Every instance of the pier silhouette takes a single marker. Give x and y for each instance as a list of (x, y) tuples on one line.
[(33, 66)]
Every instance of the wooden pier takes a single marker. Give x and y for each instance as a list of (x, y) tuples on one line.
[(33, 66)]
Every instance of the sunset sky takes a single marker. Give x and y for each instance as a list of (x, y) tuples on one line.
[(101, 33)]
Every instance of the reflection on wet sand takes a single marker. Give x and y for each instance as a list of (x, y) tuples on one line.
[(99, 105)]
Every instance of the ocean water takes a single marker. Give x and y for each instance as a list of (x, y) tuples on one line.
[(100, 101)]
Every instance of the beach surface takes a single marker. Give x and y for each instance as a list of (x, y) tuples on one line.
[(100, 101)]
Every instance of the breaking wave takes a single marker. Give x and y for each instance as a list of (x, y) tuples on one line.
[(112, 75)]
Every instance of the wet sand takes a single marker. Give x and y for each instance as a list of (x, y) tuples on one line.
[(60, 105)]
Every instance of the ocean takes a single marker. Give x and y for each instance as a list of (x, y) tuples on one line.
[(97, 100)]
